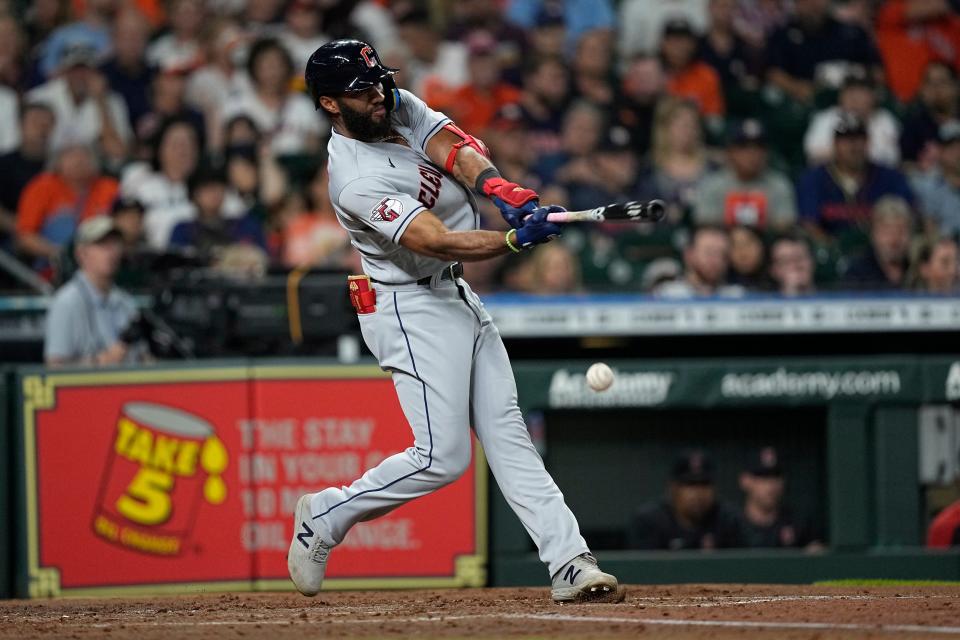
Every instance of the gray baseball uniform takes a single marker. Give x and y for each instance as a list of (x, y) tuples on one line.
[(449, 365)]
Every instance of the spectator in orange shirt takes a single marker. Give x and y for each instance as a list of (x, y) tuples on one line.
[(55, 202), (913, 33), (687, 76), (474, 105)]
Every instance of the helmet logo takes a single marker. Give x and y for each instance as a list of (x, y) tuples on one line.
[(369, 56)]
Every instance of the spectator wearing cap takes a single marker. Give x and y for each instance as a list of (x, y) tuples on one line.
[(162, 185), (690, 517), (20, 166), (767, 520), (92, 31), (936, 268), (706, 262), (642, 88), (136, 262), (641, 22), (747, 191), (548, 33), (938, 102), (791, 266), (838, 196), (86, 111), (885, 263), (814, 49), (577, 16), (89, 319), (913, 33), (474, 105), (126, 69), (210, 232), (181, 46), (284, 116), (688, 76), (55, 202), (857, 97), (938, 190), (436, 65)]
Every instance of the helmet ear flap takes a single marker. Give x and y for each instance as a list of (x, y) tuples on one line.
[(391, 97)]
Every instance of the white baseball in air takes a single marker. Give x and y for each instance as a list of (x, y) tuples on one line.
[(599, 376)]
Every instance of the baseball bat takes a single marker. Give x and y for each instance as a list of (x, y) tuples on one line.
[(633, 211)]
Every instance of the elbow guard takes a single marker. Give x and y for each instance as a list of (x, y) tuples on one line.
[(466, 140)]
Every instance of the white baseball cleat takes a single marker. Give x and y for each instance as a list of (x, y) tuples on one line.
[(581, 580), (307, 557)]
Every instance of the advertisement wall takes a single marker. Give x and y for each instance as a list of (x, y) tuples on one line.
[(187, 479)]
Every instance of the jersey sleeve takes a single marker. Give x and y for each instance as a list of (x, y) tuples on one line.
[(378, 204), (421, 122)]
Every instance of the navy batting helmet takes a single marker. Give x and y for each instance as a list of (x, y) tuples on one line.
[(342, 66)]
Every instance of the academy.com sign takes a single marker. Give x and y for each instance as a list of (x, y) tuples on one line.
[(817, 384), (629, 389)]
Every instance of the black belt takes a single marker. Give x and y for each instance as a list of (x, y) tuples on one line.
[(452, 272)]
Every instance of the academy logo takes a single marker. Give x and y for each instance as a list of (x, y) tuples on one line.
[(629, 389), (387, 210), (814, 384)]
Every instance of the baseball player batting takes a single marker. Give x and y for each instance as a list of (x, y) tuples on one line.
[(400, 181)]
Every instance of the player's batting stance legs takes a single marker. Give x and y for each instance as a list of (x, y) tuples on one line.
[(446, 366), (412, 222)]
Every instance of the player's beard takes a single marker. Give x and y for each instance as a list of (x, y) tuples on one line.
[(362, 126)]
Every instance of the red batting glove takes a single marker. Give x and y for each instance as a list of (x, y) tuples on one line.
[(509, 192), (515, 202)]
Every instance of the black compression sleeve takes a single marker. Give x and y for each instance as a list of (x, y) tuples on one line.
[(485, 175)]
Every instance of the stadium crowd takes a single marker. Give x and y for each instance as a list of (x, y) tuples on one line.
[(799, 145)]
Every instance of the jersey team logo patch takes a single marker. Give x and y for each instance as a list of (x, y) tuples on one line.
[(387, 210)]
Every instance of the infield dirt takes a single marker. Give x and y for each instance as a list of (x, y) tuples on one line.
[(671, 612)]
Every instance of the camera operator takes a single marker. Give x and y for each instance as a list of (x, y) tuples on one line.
[(91, 321)]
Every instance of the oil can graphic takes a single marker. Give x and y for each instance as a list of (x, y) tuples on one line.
[(164, 465)]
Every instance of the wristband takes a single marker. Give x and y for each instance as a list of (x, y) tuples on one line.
[(485, 175), (510, 244)]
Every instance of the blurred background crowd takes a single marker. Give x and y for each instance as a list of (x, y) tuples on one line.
[(800, 145)]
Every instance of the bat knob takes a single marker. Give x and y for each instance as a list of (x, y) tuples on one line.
[(656, 210)]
